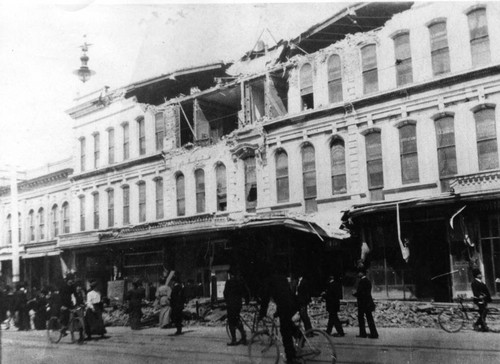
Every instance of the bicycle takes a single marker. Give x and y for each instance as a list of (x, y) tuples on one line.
[(312, 346), (252, 325), (76, 326), (453, 319)]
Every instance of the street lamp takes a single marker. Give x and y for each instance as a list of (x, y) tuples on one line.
[(84, 72)]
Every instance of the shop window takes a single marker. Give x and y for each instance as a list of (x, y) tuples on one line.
[(82, 213), (282, 187), (408, 153), (337, 156), (95, 197), (142, 200), (181, 197), (220, 176), (440, 53), (159, 198), (55, 221), (250, 184), (82, 154), (374, 165), (370, 71), (404, 73), (447, 156), (111, 146), (41, 224), (31, 223), (309, 177), (159, 131), (126, 205), (334, 79), (306, 87), (65, 217), (486, 134), (97, 150), (141, 128), (199, 176), (111, 208), (126, 145), (479, 37)]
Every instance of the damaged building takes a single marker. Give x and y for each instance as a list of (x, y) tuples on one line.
[(380, 119)]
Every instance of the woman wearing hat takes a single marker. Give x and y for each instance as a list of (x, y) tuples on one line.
[(93, 315)]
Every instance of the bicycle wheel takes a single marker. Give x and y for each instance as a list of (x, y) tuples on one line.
[(316, 346), (263, 348), (451, 320), (54, 330), (77, 328)]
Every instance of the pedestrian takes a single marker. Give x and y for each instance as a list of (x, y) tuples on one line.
[(94, 324), (482, 297), (21, 307), (9, 306), (332, 296), (80, 295), (303, 297), (366, 306), (234, 293), (134, 298), (163, 300), (177, 301), (65, 299), (40, 308)]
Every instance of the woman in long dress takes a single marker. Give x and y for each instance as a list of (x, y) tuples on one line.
[(163, 297), (93, 315)]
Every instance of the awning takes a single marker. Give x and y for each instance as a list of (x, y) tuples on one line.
[(40, 254)]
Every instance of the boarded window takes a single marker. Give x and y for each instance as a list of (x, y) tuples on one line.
[(126, 205), (220, 175), (250, 184), (97, 150), (199, 176), (96, 211), (370, 72), (111, 146), (159, 198), (440, 52), (111, 208), (408, 153), (334, 79), (374, 160), (142, 136), (282, 187), (159, 131), (306, 87), (142, 201), (404, 73), (479, 38), (337, 156), (126, 145), (487, 146), (181, 199)]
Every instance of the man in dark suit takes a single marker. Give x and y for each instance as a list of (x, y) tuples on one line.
[(234, 292), (365, 305), (303, 296), (332, 296), (481, 298), (177, 301)]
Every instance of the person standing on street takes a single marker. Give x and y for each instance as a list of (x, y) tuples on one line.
[(93, 315), (482, 297), (365, 305), (163, 298), (303, 296), (134, 298), (66, 294), (21, 307), (234, 292), (332, 296), (177, 302)]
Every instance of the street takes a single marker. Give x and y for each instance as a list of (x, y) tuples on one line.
[(208, 345)]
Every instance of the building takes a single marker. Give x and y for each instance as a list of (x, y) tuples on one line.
[(384, 115)]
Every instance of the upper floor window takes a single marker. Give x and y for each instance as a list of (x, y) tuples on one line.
[(41, 224), (440, 53), (486, 133), (250, 184), (404, 74), (334, 79), (159, 131), (96, 210), (142, 201), (97, 150), (447, 156), (111, 146), (306, 87), (282, 186), (199, 176), (65, 217), (408, 153), (159, 198), (31, 224), (9, 229), (142, 135), (19, 227), (55, 221), (220, 176), (309, 177), (111, 208), (479, 38), (82, 154), (370, 71), (126, 205), (181, 197), (337, 156), (374, 165), (126, 145), (82, 213)]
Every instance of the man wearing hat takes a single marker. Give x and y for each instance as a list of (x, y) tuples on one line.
[(66, 293), (234, 292), (366, 305), (481, 298)]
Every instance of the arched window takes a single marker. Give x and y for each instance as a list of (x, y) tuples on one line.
[(486, 134), (111, 207), (111, 146), (282, 187), (142, 201), (309, 177), (334, 79), (31, 224), (159, 197), (141, 135), (159, 131), (370, 71), (220, 176), (447, 155), (181, 197), (440, 53), (9, 229), (250, 184), (97, 150), (82, 213), (374, 165), (55, 221), (306, 87), (41, 224), (126, 205), (479, 37), (199, 176), (402, 50), (408, 153), (96, 210), (65, 218), (337, 156)]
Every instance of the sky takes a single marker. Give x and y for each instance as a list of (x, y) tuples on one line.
[(130, 41)]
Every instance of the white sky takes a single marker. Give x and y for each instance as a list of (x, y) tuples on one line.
[(130, 42)]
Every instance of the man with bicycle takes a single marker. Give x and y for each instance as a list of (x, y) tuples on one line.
[(66, 293), (234, 292), (482, 297)]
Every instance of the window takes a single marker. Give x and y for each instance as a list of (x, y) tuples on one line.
[(250, 184), (65, 217), (96, 210), (309, 177), (337, 156), (142, 201), (31, 223), (111, 146), (181, 198), (159, 131), (370, 72), (9, 229), (486, 134), (447, 156), (97, 150), (126, 148), (142, 136), (159, 198), (111, 208), (404, 74), (334, 79), (126, 205), (220, 176), (306, 87), (479, 38), (19, 227), (199, 176), (282, 187), (41, 224), (374, 165), (82, 213), (440, 54), (408, 153), (82, 154), (55, 221)]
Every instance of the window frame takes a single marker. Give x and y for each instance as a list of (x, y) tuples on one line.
[(141, 188), (409, 173), (111, 146), (66, 228), (83, 150), (250, 172), (31, 225), (110, 194), (307, 90), (374, 159), (97, 150), (475, 40), (126, 140), (95, 210), (199, 177), (282, 179), (55, 221), (82, 213), (159, 198), (221, 189), (180, 194), (369, 69), (403, 60), (126, 204), (440, 51), (484, 165), (41, 223), (159, 131), (334, 170), (141, 135), (334, 79)]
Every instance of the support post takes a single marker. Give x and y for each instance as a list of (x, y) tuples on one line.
[(15, 225)]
